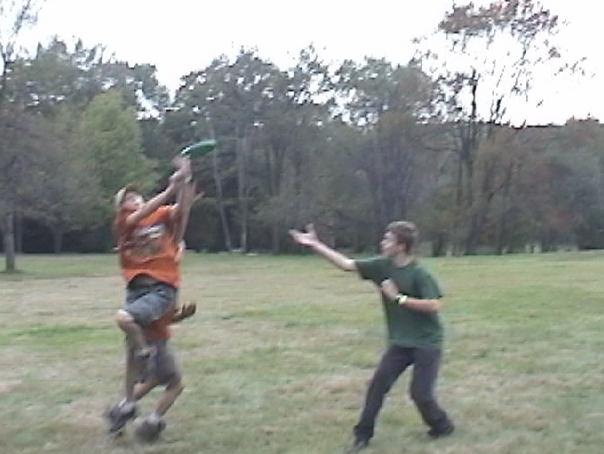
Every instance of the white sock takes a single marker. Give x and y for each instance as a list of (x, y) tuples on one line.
[(126, 406), (154, 417)]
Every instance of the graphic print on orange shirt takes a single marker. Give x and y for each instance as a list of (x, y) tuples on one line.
[(145, 242), (149, 248)]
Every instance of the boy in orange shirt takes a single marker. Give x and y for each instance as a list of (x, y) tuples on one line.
[(146, 233)]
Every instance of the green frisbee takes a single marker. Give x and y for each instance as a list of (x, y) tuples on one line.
[(199, 149)]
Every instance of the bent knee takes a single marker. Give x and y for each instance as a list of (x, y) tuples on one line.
[(122, 317)]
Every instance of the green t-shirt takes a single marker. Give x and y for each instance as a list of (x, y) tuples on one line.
[(406, 327)]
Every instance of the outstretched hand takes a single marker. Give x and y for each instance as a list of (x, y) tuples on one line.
[(185, 311), (307, 238)]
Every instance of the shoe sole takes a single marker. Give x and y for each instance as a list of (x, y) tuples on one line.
[(145, 437), (116, 428), (444, 433)]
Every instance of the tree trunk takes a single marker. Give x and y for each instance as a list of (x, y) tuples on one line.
[(9, 243), (219, 200), (274, 165), (275, 237), (242, 190), (501, 230), (471, 243), (57, 239), (477, 216), (18, 233), (502, 224), (438, 245)]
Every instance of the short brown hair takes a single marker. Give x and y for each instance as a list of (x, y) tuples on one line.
[(121, 195), (405, 233)]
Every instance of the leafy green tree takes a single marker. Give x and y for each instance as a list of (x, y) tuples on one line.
[(488, 67), (66, 193), (292, 141), (264, 120), (15, 17), (387, 104), (111, 138), (576, 164), (137, 83), (337, 192), (215, 102), (21, 136), (57, 75)]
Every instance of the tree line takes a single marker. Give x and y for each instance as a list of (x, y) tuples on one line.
[(350, 148)]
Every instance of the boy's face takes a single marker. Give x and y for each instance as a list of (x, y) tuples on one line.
[(390, 247), (132, 201)]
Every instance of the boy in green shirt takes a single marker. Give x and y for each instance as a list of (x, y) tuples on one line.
[(411, 300)]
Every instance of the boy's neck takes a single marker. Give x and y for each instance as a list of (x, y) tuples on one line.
[(402, 259)]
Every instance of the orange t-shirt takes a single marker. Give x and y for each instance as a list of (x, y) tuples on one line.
[(149, 246)]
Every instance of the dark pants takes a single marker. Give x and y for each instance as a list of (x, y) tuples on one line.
[(426, 362)]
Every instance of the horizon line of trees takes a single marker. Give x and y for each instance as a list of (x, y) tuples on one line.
[(350, 148)]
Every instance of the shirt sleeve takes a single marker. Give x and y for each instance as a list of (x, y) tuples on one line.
[(372, 269), (427, 286), (164, 212)]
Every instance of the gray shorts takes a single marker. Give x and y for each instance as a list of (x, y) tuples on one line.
[(148, 303)]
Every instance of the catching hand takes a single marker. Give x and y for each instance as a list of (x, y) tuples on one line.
[(307, 238)]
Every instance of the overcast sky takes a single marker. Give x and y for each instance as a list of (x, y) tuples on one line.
[(179, 36)]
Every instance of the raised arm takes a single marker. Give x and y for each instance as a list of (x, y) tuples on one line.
[(185, 202), (311, 240), (175, 183), (152, 204), (189, 197), (186, 193)]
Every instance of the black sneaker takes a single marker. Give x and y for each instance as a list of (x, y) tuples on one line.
[(118, 418), (443, 431), (358, 445), (149, 431)]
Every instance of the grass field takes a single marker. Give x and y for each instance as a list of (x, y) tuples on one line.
[(279, 354)]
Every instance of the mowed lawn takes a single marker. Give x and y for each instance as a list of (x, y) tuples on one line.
[(278, 357)]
